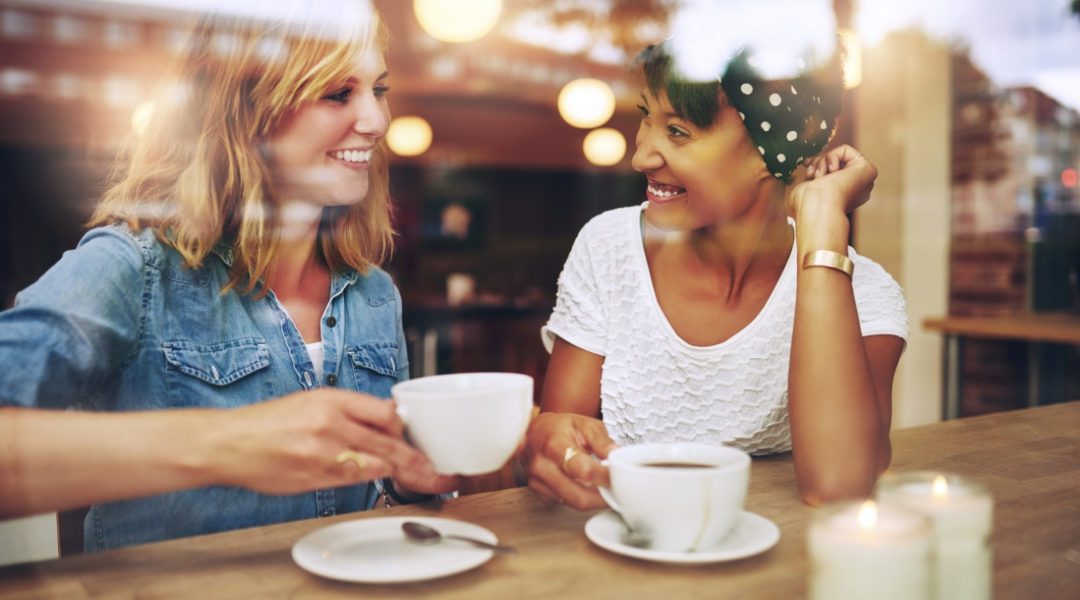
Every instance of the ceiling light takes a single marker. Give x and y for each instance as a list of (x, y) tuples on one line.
[(586, 103)]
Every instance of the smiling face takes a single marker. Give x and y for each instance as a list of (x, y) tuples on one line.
[(696, 177), (321, 153)]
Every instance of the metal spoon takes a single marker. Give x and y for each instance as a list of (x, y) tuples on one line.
[(630, 537), (422, 534)]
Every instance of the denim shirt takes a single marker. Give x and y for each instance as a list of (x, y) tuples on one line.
[(119, 324)]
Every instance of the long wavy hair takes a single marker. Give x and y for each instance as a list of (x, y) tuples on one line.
[(199, 174)]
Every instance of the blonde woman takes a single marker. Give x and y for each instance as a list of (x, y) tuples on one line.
[(232, 261)]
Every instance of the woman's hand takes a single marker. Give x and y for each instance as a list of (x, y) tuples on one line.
[(425, 482), (316, 439), (558, 455), (839, 181)]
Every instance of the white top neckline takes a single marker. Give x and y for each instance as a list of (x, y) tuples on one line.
[(646, 274)]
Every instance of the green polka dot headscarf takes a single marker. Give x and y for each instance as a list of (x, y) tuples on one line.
[(788, 119)]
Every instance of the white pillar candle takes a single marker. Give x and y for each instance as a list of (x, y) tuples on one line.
[(865, 550), (961, 512)]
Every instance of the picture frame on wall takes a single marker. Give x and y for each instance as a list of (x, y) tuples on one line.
[(454, 223)]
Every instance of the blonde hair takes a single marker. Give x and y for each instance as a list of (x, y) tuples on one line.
[(199, 174)]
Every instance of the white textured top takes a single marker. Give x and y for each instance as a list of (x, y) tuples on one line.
[(318, 354), (656, 387)]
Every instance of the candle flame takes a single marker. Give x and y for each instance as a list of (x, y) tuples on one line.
[(867, 515), (940, 488)]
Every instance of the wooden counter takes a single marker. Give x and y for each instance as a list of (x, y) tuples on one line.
[(1029, 459), (1061, 328), (1037, 329)]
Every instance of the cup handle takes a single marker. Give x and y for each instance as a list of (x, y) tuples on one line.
[(402, 414), (606, 494)]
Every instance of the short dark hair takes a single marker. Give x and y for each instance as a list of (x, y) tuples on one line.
[(788, 118)]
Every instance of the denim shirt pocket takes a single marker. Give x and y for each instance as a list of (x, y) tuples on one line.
[(374, 367), (217, 375)]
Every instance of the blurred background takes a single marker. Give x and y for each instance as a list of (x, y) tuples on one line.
[(968, 108)]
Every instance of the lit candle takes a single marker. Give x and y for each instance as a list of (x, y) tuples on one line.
[(867, 550), (961, 512)]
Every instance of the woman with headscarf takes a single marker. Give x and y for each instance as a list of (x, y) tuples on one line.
[(728, 308)]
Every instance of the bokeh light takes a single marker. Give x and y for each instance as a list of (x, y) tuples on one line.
[(409, 136), (604, 147), (1069, 178), (457, 21), (586, 103)]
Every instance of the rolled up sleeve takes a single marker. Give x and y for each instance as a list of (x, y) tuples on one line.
[(76, 325)]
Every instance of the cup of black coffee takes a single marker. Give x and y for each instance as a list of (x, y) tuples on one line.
[(682, 497)]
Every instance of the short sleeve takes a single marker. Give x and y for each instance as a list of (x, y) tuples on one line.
[(579, 316), (879, 300), (76, 325)]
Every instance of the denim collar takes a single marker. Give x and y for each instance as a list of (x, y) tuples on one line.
[(223, 250), (339, 279), (342, 279)]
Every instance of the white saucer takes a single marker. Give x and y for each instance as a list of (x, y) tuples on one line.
[(376, 551), (753, 534)]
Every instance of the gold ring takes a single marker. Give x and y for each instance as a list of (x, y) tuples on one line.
[(347, 455), (569, 453)]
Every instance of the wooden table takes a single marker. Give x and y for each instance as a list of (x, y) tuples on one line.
[(1029, 459), (1038, 329)]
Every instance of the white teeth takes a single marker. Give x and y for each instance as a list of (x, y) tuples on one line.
[(662, 194), (353, 155)]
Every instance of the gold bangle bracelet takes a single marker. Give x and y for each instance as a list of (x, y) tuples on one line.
[(830, 259)]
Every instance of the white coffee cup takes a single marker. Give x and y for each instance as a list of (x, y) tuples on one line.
[(681, 497), (466, 423)]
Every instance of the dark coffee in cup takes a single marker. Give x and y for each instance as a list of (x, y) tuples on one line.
[(702, 490), (677, 465)]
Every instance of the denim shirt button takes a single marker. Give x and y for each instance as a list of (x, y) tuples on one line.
[(331, 380), (331, 321)]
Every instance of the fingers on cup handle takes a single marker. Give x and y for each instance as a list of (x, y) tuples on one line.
[(553, 481), (592, 471), (372, 411), (574, 494), (394, 451)]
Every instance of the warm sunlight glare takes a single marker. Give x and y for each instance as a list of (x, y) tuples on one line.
[(867, 515), (876, 19), (940, 488), (852, 58)]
